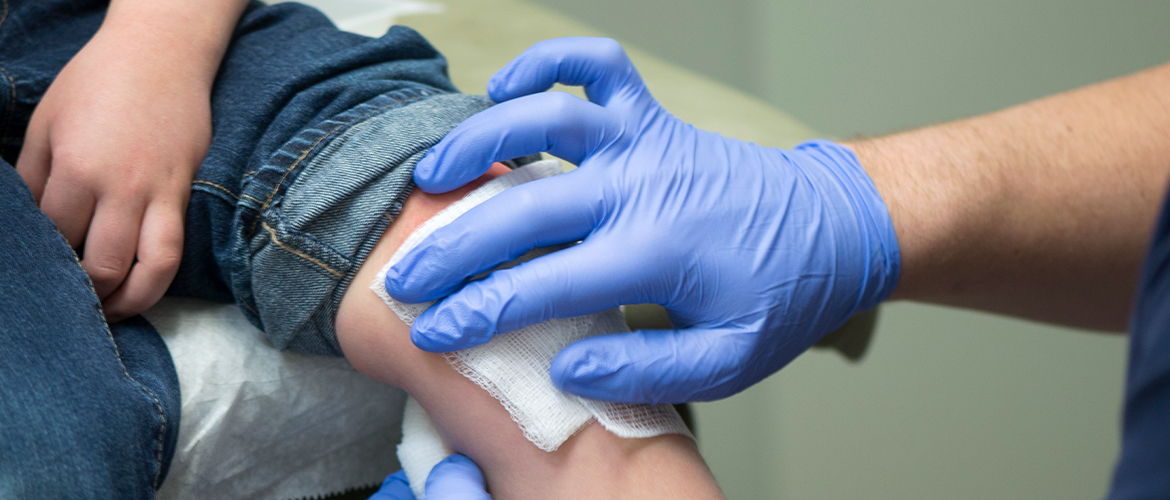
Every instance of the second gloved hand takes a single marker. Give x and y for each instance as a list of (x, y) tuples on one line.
[(455, 478), (755, 252)]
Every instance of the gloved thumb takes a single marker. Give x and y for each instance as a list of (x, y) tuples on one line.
[(395, 487), (562, 124), (654, 366), (598, 64), (456, 478)]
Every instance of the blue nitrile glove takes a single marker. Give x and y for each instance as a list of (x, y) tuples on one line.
[(455, 478), (755, 252), (395, 487)]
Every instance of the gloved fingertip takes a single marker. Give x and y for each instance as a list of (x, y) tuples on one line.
[(395, 487), (456, 477), (433, 177), (394, 283), (399, 285), (397, 477), (426, 339), (498, 87), (440, 336), (590, 388), (563, 370), (458, 460), (452, 325), (494, 90), (424, 170), (583, 371)]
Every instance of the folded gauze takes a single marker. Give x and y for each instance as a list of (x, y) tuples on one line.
[(421, 449), (513, 367)]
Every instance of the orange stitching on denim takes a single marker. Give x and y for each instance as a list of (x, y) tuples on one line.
[(257, 200), (276, 187), (245, 303), (305, 153), (272, 233), (217, 186), (301, 158), (162, 429), (5, 14)]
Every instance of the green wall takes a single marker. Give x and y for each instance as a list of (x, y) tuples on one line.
[(862, 67), (948, 404)]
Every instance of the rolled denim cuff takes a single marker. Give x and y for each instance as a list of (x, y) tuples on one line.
[(321, 203)]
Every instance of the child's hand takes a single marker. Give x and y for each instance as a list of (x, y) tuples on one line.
[(110, 154)]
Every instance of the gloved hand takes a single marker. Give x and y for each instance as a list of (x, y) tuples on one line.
[(455, 478), (755, 252)]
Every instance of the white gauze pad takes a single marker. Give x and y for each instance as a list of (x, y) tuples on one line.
[(421, 449), (513, 367)]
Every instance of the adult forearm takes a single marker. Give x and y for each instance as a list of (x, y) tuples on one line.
[(186, 38), (1042, 210)]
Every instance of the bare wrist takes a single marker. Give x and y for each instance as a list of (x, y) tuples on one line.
[(185, 39), (933, 205)]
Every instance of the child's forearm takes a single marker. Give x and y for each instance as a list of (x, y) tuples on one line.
[(592, 464), (186, 37), (114, 143)]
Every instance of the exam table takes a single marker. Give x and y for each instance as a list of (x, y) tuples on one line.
[(258, 423)]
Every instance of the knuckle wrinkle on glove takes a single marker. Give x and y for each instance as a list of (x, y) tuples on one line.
[(610, 51)]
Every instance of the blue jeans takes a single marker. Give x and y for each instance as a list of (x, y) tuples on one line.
[(315, 134), (86, 411)]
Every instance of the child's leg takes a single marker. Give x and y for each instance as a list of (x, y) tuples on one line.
[(84, 412), (592, 464)]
